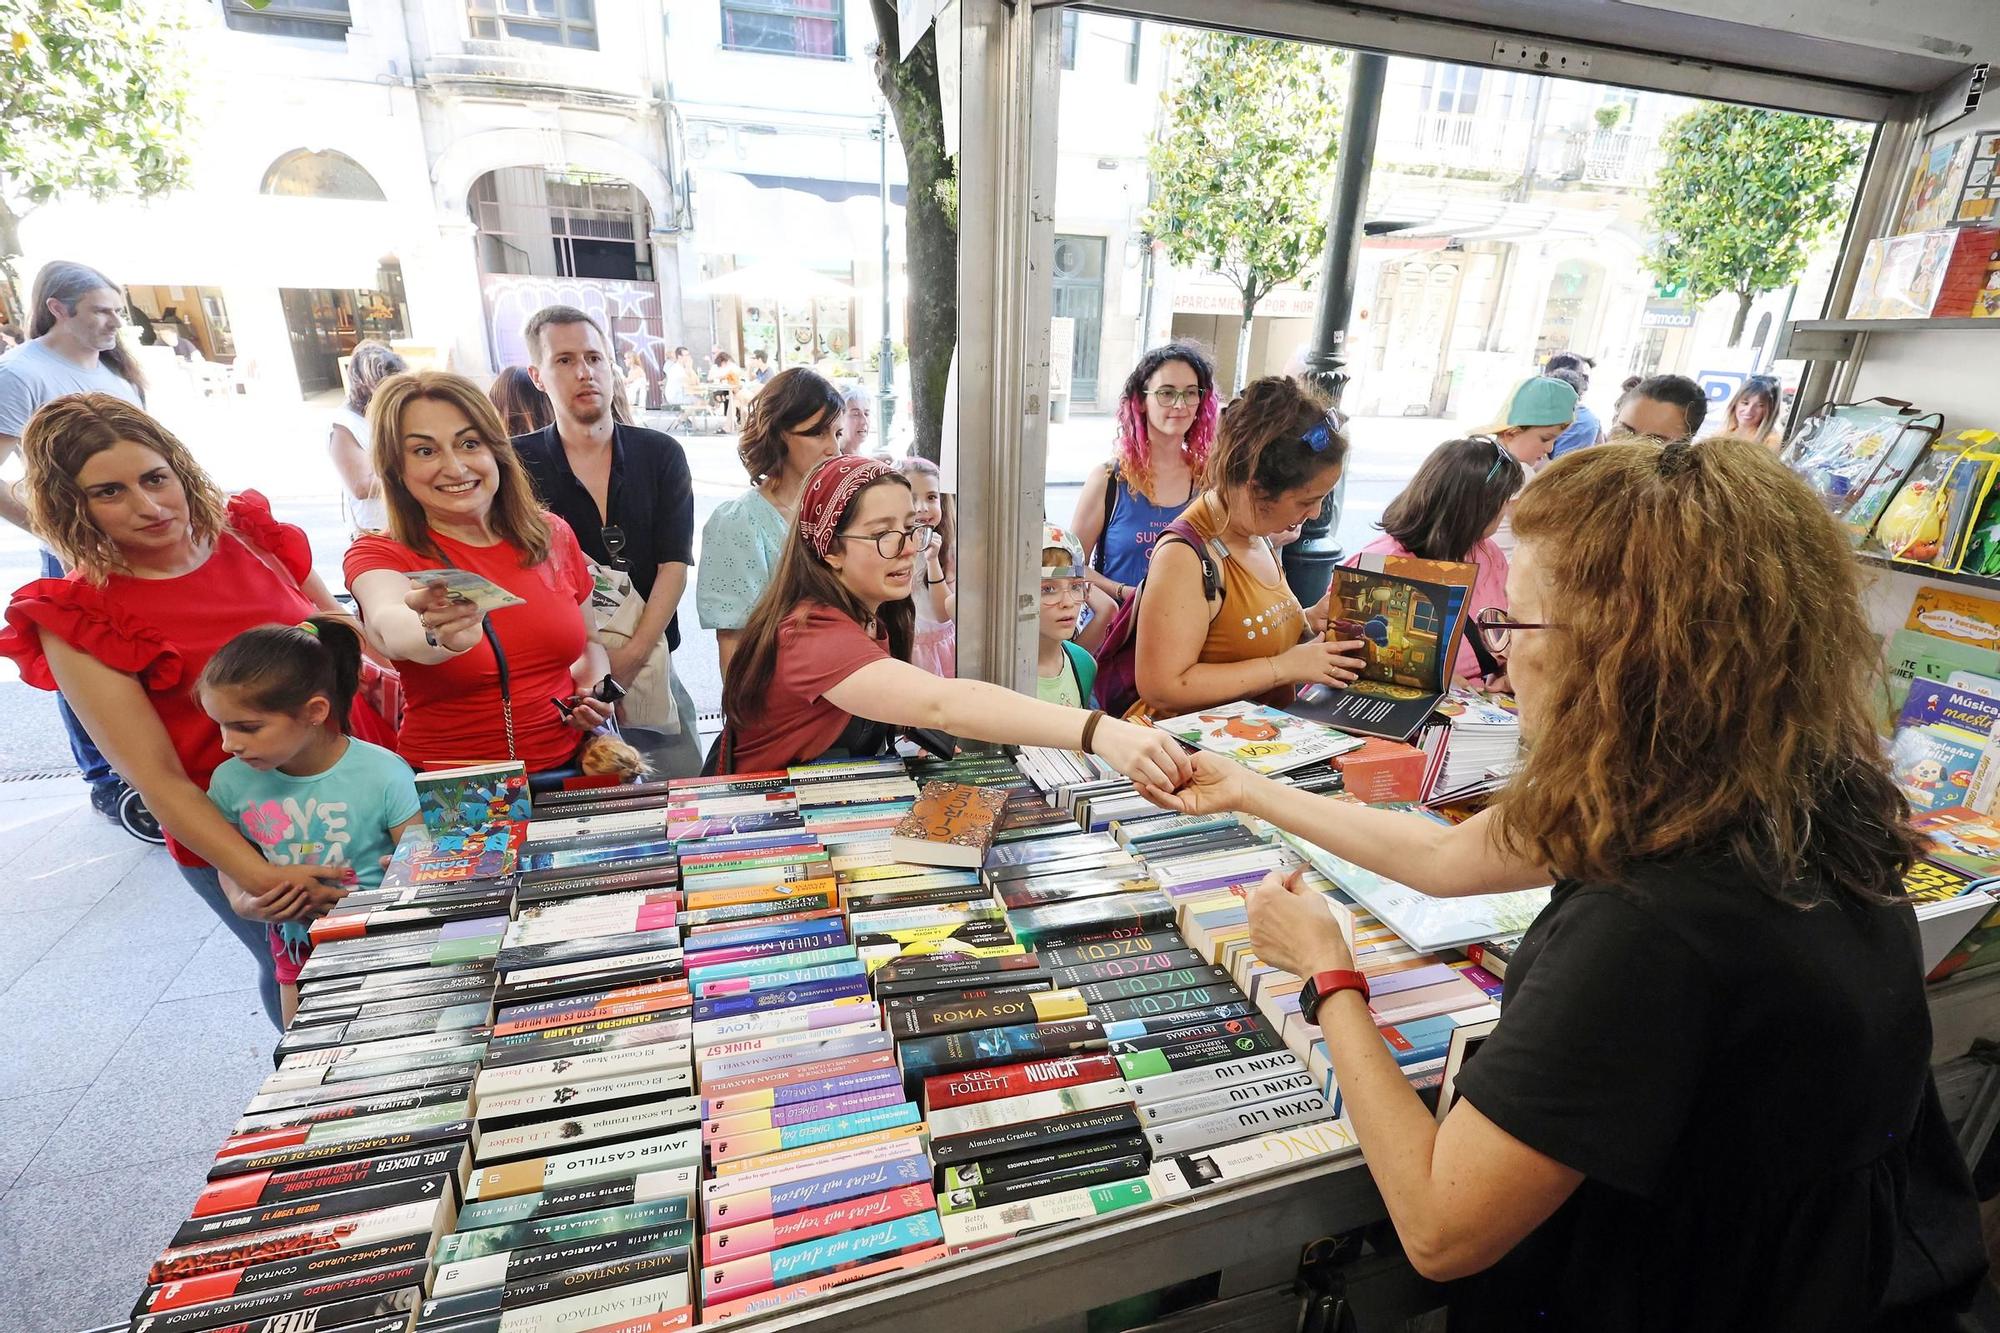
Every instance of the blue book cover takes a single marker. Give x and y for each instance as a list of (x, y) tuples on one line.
[(812, 992), (1931, 703), (1934, 765)]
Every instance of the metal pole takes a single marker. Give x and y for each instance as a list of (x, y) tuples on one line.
[(886, 381), (1309, 561)]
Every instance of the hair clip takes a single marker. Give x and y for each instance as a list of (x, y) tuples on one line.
[(308, 627), (1319, 436)]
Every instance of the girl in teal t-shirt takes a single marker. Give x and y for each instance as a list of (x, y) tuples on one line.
[(300, 788)]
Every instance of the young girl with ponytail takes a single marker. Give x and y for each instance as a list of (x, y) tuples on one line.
[(300, 788)]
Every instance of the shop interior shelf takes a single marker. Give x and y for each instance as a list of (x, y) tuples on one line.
[(1969, 580)]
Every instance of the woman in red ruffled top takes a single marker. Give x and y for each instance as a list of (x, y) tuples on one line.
[(163, 571)]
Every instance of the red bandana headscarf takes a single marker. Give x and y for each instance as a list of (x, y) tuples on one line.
[(830, 487)]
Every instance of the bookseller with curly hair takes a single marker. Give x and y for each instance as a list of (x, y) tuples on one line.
[(1707, 1103)]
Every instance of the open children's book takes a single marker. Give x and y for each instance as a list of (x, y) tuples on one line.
[(1411, 629), (1263, 740)]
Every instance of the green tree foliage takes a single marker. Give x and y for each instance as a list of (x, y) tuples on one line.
[(1243, 161), (1742, 197), (93, 101)]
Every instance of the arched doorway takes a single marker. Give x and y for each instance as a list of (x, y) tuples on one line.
[(321, 174), (323, 324), (567, 237)]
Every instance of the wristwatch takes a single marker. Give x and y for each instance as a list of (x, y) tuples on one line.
[(1322, 984)]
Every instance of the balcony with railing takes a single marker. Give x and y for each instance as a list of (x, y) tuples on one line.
[(1610, 157)]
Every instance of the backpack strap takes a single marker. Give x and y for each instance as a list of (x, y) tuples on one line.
[(1085, 668), (1211, 576), (1110, 507)]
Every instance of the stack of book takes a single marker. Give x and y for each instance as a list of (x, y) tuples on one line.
[(580, 1206), (815, 1174), (1473, 746)]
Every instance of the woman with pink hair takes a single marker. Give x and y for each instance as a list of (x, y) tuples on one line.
[(1166, 422)]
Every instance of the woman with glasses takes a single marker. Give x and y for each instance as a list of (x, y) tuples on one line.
[(1166, 423), (824, 665), (1277, 455), (1450, 511), (1707, 1102), (794, 423), (520, 683), (1752, 412)]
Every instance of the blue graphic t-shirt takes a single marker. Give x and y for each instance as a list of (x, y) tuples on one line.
[(340, 817)]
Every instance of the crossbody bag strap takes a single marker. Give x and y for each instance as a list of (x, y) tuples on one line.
[(499, 666)]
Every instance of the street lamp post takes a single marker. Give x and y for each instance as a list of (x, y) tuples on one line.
[(886, 381), (1309, 561)]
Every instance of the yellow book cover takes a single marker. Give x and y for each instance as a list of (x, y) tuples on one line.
[(1951, 613)]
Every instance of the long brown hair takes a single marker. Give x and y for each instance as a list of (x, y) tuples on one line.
[(66, 282), (516, 517), (803, 577), (63, 436), (1725, 712), (789, 400), (1455, 497), (523, 407)]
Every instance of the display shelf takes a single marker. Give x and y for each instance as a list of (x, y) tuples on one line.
[(1875, 561), (1835, 339)]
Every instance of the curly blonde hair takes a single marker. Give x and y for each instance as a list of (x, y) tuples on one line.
[(1728, 711), (68, 432)]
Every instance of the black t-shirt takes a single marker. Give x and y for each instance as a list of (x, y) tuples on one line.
[(1739, 1083), (651, 499)]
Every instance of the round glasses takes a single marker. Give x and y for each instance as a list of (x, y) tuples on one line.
[(893, 543), (1054, 591), (1168, 397), (1497, 628)]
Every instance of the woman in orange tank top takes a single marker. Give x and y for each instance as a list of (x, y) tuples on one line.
[(1276, 457)]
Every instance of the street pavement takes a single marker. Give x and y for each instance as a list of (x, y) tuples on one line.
[(279, 449)]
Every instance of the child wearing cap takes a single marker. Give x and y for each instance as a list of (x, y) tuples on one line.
[(1538, 412), (1064, 672)]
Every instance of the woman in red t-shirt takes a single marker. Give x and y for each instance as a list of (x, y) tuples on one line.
[(163, 571), (824, 662), (475, 688)]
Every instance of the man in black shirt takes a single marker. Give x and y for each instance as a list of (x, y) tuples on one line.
[(624, 489)]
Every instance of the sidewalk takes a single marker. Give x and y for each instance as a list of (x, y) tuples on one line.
[(134, 1039)]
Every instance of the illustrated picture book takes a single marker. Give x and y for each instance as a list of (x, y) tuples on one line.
[(474, 796), (1856, 455), (424, 857), (1262, 739), (1410, 629)]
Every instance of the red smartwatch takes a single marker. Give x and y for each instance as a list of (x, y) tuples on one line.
[(1322, 984)]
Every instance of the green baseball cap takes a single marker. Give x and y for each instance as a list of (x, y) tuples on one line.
[(1542, 402)]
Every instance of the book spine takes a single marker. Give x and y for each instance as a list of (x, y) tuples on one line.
[(662, 1185), (753, 1056), (761, 1001), (464, 1245), (953, 1052), (1122, 1118), (536, 1174), (746, 1277), (1216, 1101), (865, 1074), (778, 1022), (1006, 1010), (1007, 1081), (1041, 1163), (812, 1133), (799, 1113), (508, 1267), (1106, 1172), (976, 1117), (1226, 1126), (762, 1237), (1168, 1002), (1184, 1082), (594, 1128), (736, 1210), (754, 1177)]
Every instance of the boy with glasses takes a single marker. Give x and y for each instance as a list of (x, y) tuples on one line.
[(1064, 672)]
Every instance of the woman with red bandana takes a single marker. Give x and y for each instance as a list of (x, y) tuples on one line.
[(823, 667)]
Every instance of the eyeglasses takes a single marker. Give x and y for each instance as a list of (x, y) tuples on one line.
[(1500, 455), (1169, 397), (894, 543), (1496, 627), (1053, 592)]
